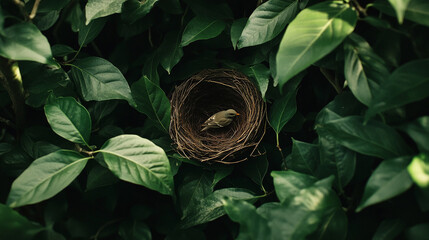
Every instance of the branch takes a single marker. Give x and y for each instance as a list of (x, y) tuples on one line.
[(10, 78)]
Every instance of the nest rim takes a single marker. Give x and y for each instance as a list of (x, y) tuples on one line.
[(205, 93)]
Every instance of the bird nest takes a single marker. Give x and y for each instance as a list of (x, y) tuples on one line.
[(209, 92)]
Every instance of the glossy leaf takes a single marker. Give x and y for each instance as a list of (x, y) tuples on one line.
[(388, 180), (419, 170), (303, 211), (211, 207), (96, 9), (15, 226), (98, 79), (289, 183), (256, 169), (314, 33), (389, 229), (400, 6), (133, 10), (373, 139), (252, 225), (196, 185), (171, 52), (46, 177), (60, 50), (336, 159), (87, 33), (69, 119), (24, 41), (304, 157), (267, 21), (262, 76), (152, 101), (99, 177), (137, 160), (363, 69), (406, 84), (236, 30), (417, 10), (201, 28), (418, 130)]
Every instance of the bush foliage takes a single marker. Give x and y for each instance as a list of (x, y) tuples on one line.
[(85, 151)]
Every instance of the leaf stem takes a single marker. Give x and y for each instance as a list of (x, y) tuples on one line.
[(34, 10)]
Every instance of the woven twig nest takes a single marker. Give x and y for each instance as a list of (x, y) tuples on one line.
[(209, 92)]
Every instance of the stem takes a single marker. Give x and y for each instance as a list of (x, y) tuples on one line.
[(10, 78), (34, 10), (359, 7)]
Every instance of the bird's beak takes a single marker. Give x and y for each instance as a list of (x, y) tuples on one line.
[(237, 114)]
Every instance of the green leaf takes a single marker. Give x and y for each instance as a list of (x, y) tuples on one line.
[(211, 207), (418, 231), (137, 160), (61, 50), (252, 225), (24, 41), (333, 226), (417, 10), (196, 185), (133, 10), (309, 207), (96, 9), (267, 21), (15, 226), (201, 28), (418, 130), (304, 157), (170, 50), (236, 30), (400, 6), (389, 229), (289, 183), (408, 83), (89, 32), (336, 159), (388, 180), (46, 177), (262, 76), (363, 69), (134, 230), (314, 33), (373, 139), (284, 108), (255, 169), (76, 17), (98, 79), (99, 177), (69, 119), (419, 170), (152, 101)]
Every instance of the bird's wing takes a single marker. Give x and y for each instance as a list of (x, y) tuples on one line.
[(210, 120)]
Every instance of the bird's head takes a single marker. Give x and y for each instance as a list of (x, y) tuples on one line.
[(230, 113)]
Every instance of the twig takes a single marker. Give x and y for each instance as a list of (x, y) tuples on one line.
[(10, 78), (359, 7), (34, 10)]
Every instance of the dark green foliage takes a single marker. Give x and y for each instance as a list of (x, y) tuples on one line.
[(85, 114)]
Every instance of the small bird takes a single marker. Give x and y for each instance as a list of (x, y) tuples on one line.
[(220, 119)]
